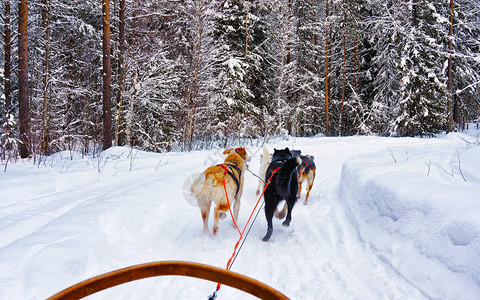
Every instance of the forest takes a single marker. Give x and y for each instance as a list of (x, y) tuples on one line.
[(179, 75)]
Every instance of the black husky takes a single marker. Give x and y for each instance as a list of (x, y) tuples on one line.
[(284, 186)]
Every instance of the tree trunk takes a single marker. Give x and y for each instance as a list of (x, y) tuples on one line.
[(450, 75), (23, 103), (315, 58), (46, 74), (119, 138), (327, 67), (246, 30), (129, 118), (355, 56), (120, 103), (107, 78), (194, 87), (289, 17), (344, 71), (7, 62)]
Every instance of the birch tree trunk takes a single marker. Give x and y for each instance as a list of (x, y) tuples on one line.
[(23, 102), (107, 77)]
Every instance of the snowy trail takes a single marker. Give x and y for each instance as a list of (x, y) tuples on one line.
[(121, 217)]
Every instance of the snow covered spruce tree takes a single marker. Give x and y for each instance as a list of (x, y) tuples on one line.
[(423, 94), (303, 92), (238, 71), (465, 61), (383, 24)]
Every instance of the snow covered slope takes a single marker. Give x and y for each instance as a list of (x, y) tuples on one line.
[(393, 233), (418, 208)]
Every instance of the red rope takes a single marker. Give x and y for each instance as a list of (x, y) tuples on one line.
[(249, 218), (228, 201)]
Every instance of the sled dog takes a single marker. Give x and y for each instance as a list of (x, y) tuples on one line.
[(306, 172), (283, 186), (265, 159), (209, 187)]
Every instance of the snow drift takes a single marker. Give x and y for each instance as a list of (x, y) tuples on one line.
[(421, 205)]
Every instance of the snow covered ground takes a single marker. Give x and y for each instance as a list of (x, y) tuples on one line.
[(388, 218)]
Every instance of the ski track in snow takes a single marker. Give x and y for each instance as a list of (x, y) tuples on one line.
[(114, 220)]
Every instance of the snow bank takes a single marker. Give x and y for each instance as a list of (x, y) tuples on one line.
[(417, 207)]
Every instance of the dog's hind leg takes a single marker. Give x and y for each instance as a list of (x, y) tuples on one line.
[(280, 214), (310, 184), (215, 221), (269, 216), (309, 187), (205, 210), (290, 203), (236, 209), (300, 181), (259, 187)]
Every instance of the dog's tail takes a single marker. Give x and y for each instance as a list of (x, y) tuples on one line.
[(266, 154), (286, 170), (197, 185)]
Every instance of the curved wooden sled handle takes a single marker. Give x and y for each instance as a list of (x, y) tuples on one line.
[(117, 277)]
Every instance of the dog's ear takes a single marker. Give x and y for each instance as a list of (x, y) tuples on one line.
[(286, 149), (227, 151), (242, 152)]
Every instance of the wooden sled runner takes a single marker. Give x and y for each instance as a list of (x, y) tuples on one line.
[(181, 268)]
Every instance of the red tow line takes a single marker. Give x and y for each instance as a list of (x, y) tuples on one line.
[(243, 231)]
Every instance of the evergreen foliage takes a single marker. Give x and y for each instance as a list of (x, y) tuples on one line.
[(202, 73)]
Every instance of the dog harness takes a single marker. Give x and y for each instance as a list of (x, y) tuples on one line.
[(229, 171), (308, 164)]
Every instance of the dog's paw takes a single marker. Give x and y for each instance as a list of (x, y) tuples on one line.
[(280, 215), (257, 192), (286, 223), (222, 215), (215, 231)]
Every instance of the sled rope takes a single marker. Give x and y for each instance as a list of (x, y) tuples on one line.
[(235, 252), (228, 201), (262, 179)]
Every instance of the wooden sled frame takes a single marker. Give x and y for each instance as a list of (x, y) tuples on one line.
[(162, 268)]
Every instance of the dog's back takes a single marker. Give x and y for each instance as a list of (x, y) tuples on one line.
[(286, 180)]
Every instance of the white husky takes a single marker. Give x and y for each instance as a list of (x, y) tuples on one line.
[(265, 160)]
